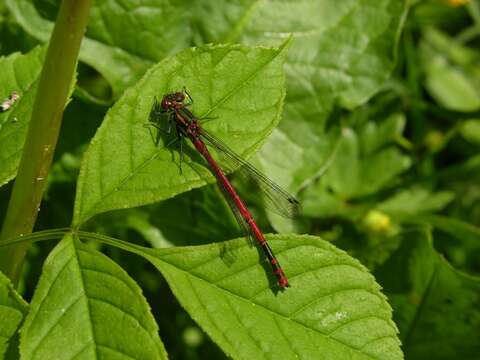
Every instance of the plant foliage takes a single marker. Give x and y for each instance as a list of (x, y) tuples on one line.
[(367, 110)]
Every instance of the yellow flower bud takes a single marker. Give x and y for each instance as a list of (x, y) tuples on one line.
[(377, 222)]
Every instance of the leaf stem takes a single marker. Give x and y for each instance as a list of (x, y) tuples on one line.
[(53, 90)]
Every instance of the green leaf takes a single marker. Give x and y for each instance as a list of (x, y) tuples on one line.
[(122, 42), (410, 202), (242, 88), (19, 73), (12, 311), (354, 174), (380, 169), (344, 174), (86, 306), (364, 162), (374, 136), (470, 130), (280, 158), (452, 73), (435, 306), (317, 201), (343, 60), (342, 53), (333, 310)]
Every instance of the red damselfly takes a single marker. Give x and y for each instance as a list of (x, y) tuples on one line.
[(187, 125)]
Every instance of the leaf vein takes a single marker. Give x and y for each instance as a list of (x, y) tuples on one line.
[(335, 292), (115, 350), (92, 298), (365, 317), (55, 323), (52, 283), (207, 313)]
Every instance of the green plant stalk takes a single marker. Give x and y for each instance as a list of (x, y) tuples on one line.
[(53, 90)]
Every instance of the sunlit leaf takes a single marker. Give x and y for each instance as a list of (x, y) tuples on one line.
[(355, 173), (415, 201), (12, 311), (86, 306), (342, 53), (333, 310), (375, 136), (471, 130), (452, 72), (124, 168)]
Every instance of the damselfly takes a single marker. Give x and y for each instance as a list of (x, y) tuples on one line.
[(187, 125)]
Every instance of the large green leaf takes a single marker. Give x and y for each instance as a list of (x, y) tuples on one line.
[(333, 310), (356, 174), (374, 136), (470, 130), (452, 72), (121, 41), (436, 307), (365, 161), (342, 53), (85, 306), (241, 88), (19, 73), (280, 158), (12, 311), (408, 203)]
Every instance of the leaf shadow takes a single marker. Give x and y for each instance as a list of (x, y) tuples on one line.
[(228, 252)]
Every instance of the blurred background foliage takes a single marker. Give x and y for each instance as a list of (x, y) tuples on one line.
[(394, 178)]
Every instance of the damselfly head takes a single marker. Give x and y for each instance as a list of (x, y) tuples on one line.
[(172, 101)]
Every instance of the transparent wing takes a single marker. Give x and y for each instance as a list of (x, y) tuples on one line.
[(240, 220), (276, 199)]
